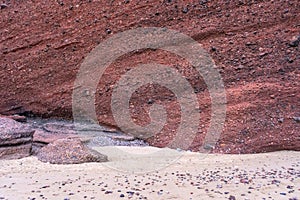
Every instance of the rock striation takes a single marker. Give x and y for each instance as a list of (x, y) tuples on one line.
[(15, 139)]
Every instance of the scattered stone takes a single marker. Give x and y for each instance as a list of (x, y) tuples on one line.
[(150, 101), (69, 151), (232, 197), (185, 9), (289, 60), (208, 147), (3, 5), (297, 119), (280, 120), (213, 49), (203, 2), (244, 180), (15, 139), (295, 42)]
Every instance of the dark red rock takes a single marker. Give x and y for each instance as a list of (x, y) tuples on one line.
[(38, 70)]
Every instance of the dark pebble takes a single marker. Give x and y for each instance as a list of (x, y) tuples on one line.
[(297, 119), (150, 101), (108, 31), (289, 60), (290, 187), (295, 43), (130, 192), (3, 5), (185, 10), (232, 197)]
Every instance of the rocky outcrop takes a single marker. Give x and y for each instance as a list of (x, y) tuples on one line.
[(15, 139), (17, 118), (255, 45), (42, 138), (69, 151), (18, 140)]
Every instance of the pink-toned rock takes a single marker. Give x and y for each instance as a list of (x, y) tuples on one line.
[(42, 138), (48, 137), (15, 152), (15, 139), (17, 118), (69, 151)]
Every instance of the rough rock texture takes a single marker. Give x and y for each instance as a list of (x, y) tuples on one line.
[(255, 45), (46, 137), (69, 151), (15, 139), (42, 138), (17, 118)]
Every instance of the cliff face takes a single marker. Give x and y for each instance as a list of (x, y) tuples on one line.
[(255, 45)]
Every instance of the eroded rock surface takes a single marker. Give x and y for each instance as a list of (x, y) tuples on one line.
[(69, 151), (15, 139), (42, 138), (255, 45)]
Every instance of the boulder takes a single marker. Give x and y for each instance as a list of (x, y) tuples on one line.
[(49, 137), (41, 138), (69, 151), (15, 139)]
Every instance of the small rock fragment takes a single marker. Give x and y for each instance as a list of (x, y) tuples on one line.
[(185, 10), (280, 120), (3, 5), (295, 42), (232, 197), (297, 119), (108, 31)]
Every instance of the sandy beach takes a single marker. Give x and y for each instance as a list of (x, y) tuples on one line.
[(189, 176)]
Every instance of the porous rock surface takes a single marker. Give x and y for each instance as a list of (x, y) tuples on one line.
[(255, 45), (69, 151)]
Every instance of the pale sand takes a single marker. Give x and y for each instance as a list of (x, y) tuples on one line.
[(271, 176)]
